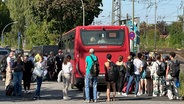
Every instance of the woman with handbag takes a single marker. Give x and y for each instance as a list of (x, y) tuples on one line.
[(39, 66), (66, 71)]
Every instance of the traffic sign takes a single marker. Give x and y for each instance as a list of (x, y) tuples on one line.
[(132, 35)]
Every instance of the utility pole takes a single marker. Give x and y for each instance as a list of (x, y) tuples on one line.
[(116, 12), (155, 25), (132, 43), (83, 13), (183, 19)]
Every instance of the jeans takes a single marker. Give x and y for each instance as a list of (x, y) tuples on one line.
[(93, 81), (137, 80), (17, 80), (39, 82), (172, 90), (66, 82)]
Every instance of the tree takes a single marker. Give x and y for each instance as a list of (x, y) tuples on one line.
[(161, 26), (4, 16), (63, 15), (176, 34)]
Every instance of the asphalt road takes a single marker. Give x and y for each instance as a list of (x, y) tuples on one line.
[(51, 94)]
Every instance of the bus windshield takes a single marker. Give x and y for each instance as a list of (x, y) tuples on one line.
[(101, 37)]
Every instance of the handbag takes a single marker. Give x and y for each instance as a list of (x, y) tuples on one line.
[(38, 72)]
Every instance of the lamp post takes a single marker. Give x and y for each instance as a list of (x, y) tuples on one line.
[(2, 37), (83, 10)]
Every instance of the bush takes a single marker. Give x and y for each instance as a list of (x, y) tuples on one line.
[(181, 88)]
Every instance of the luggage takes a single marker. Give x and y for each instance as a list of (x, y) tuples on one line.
[(9, 90), (130, 89)]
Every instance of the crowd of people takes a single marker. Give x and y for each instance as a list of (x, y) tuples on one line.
[(144, 73), (17, 68), (151, 74)]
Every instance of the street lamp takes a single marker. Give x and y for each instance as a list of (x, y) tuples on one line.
[(83, 12), (2, 38)]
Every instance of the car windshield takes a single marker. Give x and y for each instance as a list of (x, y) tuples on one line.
[(101, 37)]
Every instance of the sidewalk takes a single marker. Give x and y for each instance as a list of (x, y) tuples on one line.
[(49, 91)]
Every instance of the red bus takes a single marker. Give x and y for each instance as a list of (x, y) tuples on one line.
[(103, 39)]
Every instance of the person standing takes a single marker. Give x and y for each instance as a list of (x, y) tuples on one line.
[(10, 60), (59, 61), (122, 72), (89, 79), (27, 74), (137, 70), (66, 71), (172, 76), (157, 85), (51, 66), (41, 65), (17, 69), (3, 67), (110, 82), (143, 82)]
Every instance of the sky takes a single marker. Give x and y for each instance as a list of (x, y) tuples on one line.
[(167, 10)]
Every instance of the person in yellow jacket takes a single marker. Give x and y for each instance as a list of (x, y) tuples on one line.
[(38, 57)]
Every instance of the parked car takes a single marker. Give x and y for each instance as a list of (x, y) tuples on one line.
[(3, 52)]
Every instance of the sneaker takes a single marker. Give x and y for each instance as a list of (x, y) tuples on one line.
[(25, 91), (154, 95), (98, 95), (66, 98), (124, 94), (87, 101), (35, 98), (95, 101), (139, 94), (171, 98), (28, 91), (119, 93), (135, 95)]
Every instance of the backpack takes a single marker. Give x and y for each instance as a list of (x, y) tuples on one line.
[(94, 71), (174, 68), (9, 90), (161, 70), (112, 72), (130, 67)]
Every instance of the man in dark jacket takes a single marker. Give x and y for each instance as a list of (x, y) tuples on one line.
[(59, 60)]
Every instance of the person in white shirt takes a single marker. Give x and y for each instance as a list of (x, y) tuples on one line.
[(66, 71), (137, 70), (9, 61)]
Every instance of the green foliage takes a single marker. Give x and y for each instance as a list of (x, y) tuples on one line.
[(38, 35), (42, 21), (4, 16), (174, 37), (64, 15), (181, 88)]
